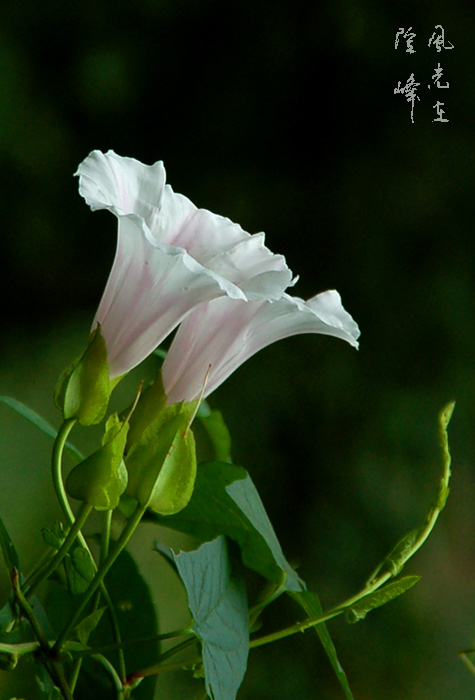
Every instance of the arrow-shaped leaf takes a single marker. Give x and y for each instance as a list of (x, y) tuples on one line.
[(218, 603)]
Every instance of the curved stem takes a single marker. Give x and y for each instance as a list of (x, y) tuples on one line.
[(56, 463), (112, 673), (57, 455), (398, 557)]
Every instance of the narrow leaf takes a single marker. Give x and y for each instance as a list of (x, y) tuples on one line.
[(311, 604), (37, 421), (218, 603), (9, 552), (246, 497), (359, 610)]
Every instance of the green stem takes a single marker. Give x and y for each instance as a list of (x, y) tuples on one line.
[(133, 678), (105, 539), (112, 673), (56, 462), (99, 577), (114, 647), (271, 593), (468, 663), (41, 564), (57, 455), (53, 667), (106, 533), (392, 564)]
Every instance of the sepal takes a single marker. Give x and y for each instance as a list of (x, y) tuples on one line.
[(84, 387), (102, 478), (162, 463), (151, 404)]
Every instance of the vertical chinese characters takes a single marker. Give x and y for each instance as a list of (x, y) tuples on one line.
[(437, 40)]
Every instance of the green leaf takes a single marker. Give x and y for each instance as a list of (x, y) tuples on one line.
[(359, 610), (88, 625), (79, 570), (162, 464), (218, 603), (226, 502), (84, 388), (101, 478), (37, 421), (311, 604), (55, 537), (217, 431), (8, 550), (151, 404)]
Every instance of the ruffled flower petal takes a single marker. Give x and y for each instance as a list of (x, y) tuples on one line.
[(220, 335), (170, 257)]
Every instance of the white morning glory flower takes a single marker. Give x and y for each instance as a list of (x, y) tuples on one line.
[(170, 257), (218, 336)]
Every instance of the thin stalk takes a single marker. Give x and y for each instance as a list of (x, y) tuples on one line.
[(393, 568), (112, 673), (105, 540), (56, 462), (53, 668), (99, 577), (133, 678), (106, 533), (57, 456), (114, 647)]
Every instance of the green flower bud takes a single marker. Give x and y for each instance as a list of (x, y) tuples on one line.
[(84, 387)]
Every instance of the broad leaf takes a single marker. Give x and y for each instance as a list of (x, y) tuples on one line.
[(218, 603), (226, 502), (359, 610), (311, 604), (37, 421)]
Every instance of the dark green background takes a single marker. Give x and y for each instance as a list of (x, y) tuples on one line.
[(283, 117)]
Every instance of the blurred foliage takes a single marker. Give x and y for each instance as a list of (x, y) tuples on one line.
[(281, 116)]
